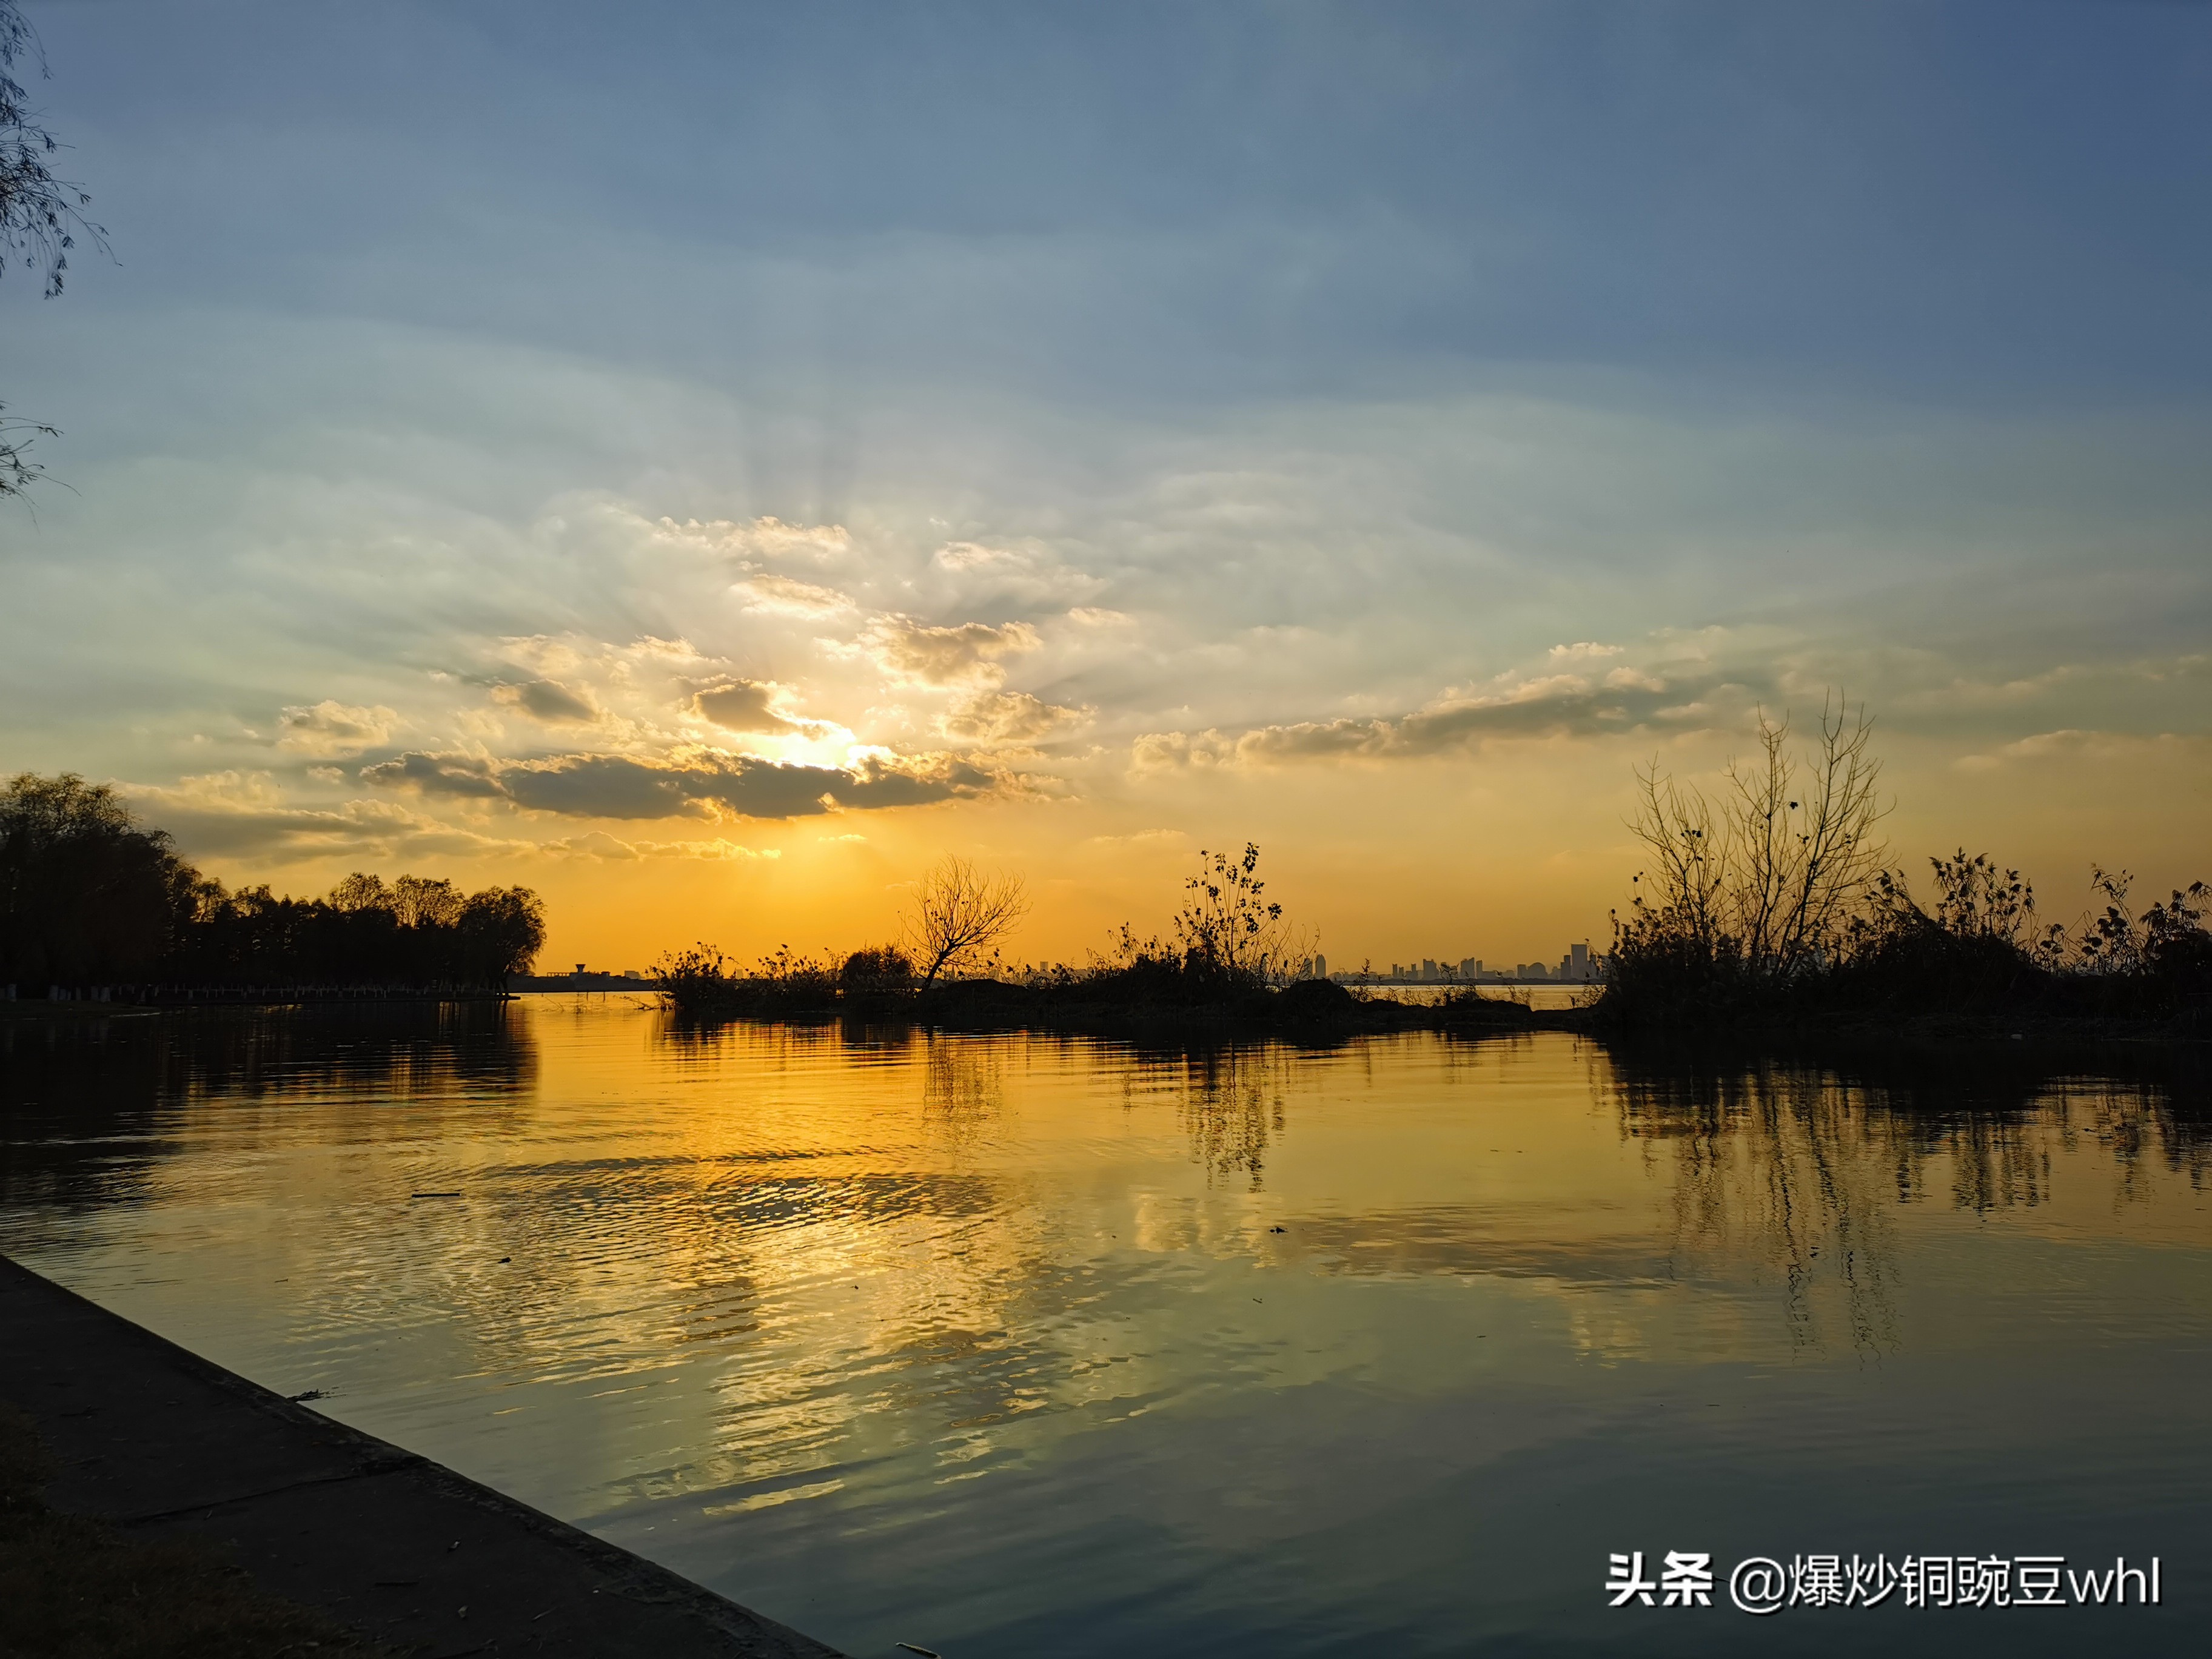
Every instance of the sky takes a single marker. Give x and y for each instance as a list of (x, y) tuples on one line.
[(706, 462)]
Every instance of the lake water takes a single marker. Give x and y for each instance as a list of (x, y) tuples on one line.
[(1012, 1346)]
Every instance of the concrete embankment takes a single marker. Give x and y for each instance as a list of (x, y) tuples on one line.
[(161, 1444)]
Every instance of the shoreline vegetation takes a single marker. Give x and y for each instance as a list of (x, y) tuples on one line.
[(96, 908), (1767, 906), (1231, 965), (1771, 904)]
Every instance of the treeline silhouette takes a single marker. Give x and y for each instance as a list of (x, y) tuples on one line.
[(1230, 945), (1774, 902), (1768, 903), (90, 899), (1231, 961)]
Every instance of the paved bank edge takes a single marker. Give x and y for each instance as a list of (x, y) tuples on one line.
[(158, 1442)]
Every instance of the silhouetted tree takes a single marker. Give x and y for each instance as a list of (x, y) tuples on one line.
[(86, 895), (501, 931), (359, 892), (1757, 890), (1776, 900), (413, 932), (959, 915), (41, 216), (420, 903), (89, 896)]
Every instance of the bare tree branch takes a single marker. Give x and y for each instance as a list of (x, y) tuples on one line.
[(957, 914), (41, 216), (1765, 882)]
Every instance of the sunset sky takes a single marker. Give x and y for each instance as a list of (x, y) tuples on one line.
[(706, 461)]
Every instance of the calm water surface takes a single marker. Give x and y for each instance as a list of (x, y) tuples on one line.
[(1015, 1346)]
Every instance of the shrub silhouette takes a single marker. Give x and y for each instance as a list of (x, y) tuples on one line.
[(1231, 942), (875, 971), (1776, 900)]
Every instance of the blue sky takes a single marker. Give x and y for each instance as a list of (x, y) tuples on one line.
[(1557, 382)]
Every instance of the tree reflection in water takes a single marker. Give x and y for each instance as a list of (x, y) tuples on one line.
[(1803, 1164), (963, 1085), (1231, 1100), (86, 1107)]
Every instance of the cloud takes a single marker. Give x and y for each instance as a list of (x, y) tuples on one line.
[(786, 596), (1033, 575), (2069, 745), (967, 555), (598, 844), (1555, 705), (1167, 751), (2148, 682), (244, 814), (964, 655), (549, 702), (1008, 717), (464, 775), (1139, 838), (761, 538), (556, 654), (335, 730), (1583, 651), (740, 705), (597, 786)]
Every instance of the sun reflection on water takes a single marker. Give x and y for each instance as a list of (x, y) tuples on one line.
[(857, 1321)]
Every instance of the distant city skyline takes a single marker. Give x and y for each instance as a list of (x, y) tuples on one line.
[(1577, 965)]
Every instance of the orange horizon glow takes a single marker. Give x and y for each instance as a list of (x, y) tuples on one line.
[(1501, 855)]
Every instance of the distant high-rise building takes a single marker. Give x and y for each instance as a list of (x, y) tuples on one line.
[(1429, 968), (1320, 966)]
